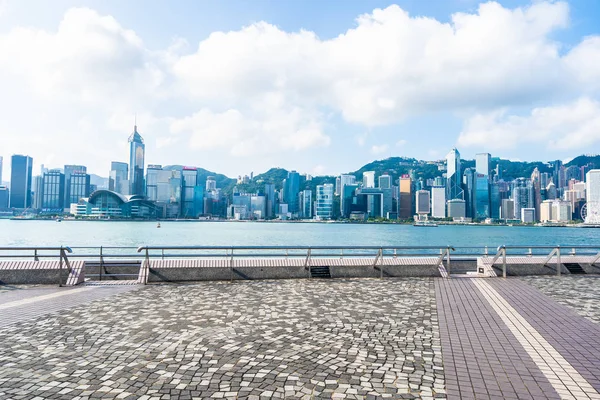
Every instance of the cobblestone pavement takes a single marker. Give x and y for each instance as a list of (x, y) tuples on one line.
[(582, 293), (363, 338)]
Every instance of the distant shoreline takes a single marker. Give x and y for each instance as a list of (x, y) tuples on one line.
[(441, 223)]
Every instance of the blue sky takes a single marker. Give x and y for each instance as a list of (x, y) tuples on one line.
[(321, 87)]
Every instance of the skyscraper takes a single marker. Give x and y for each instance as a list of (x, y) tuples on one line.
[(291, 190), (369, 179), (385, 181), (82, 190), (118, 179), (271, 202), (305, 204), (20, 181), (469, 194), (77, 187), (423, 202), (136, 163), (192, 194), (453, 176), (53, 192), (482, 186), (405, 201), (592, 193), (211, 184), (438, 201), (0, 170), (523, 195), (324, 201)]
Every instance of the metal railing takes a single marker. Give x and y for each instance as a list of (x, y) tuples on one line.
[(109, 255), (38, 252), (542, 251), (307, 253)]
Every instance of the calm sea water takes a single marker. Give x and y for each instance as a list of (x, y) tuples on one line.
[(112, 233)]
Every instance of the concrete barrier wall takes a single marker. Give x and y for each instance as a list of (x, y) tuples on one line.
[(529, 269), (32, 276)]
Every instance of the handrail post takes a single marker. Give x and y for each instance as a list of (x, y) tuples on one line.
[(448, 263), (486, 251), (147, 269), (558, 263), (341, 254), (101, 264), (504, 261), (163, 253), (60, 268), (231, 266), (380, 263), (309, 262), (35, 255)]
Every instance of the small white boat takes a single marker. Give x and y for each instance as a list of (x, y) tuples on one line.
[(58, 220), (158, 225)]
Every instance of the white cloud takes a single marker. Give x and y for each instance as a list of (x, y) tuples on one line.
[(573, 126), (401, 143), (262, 91), (242, 135), (379, 149), (391, 65)]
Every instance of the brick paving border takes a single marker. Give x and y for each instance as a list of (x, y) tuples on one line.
[(482, 358), (576, 338)]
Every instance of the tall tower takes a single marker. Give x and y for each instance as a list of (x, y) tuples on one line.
[(454, 176), (136, 163), (20, 181)]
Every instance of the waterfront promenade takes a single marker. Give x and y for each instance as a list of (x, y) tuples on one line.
[(530, 338)]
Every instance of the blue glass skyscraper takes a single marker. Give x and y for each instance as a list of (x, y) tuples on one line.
[(291, 190), (482, 186), (136, 163), (20, 181)]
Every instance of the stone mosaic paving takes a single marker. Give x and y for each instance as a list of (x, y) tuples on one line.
[(581, 293), (363, 338)]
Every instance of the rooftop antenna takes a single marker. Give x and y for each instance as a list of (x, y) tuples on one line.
[(135, 122)]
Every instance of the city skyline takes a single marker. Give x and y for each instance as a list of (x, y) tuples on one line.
[(196, 79)]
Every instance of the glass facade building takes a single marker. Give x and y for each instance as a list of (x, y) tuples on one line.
[(324, 201), (291, 190), (68, 171), (20, 181), (118, 180), (53, 191), (482, 197), (77, 187), (453, 176), (136, 163), (192, 194)]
